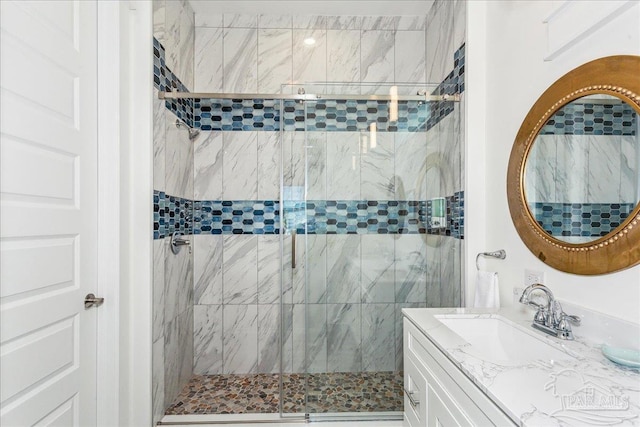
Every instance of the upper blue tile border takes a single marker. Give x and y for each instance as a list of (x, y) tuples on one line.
[(322, 115)]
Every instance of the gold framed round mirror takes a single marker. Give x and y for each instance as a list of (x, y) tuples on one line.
[(573, 180)]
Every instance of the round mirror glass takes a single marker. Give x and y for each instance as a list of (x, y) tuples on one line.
[(582, 173)]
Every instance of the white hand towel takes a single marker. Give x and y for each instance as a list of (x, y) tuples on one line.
[(487, 290)]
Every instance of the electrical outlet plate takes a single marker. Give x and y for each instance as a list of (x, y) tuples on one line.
[(532, 276)]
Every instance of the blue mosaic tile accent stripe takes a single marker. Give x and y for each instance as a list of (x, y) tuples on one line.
[(356, 216), (580, 219), (238, 114), (236, 217), (164, 80), (592, 119), (171, 214), (322, 115), (329, 115), (311, 217)]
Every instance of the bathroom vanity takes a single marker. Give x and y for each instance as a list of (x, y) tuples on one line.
[(479, 367)]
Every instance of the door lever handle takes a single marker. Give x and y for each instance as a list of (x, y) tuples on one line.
[(92, 301)]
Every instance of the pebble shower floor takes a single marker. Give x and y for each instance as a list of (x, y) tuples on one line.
[(259, 393)]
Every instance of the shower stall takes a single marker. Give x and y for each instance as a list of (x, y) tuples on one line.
[(292, 224)]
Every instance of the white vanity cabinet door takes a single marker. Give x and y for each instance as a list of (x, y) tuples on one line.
[(415, 385), (443, 412)]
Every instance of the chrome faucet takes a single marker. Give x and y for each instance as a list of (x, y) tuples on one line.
[(550, 318)]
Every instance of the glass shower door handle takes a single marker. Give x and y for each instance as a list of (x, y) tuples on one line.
[(293, 248)]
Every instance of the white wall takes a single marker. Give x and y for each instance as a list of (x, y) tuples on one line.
[(516, 75)]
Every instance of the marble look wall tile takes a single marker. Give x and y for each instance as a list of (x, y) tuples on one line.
[(572, 156), (410, 59), (158, 288), (173, 10), (178, 288), (310, 22), (540, 184), (344, 338), (207, 164), (207, 339), (398, 330), (294, 164), (410, 265), (343, 166), (343, 268), (434, 255), (377, 272), (240, 269), (269, 153), (459, 22), (178, 355), (268, 269), (240, 339), (629, 169), (210, 20), (240, 180), (309, 62), (343, 55), (178, 39), (317, 336), (269, 346), (159, 138), (380, 22), (378, 53), (411, 23), (448, 129), (275, 21), (157, 379), (240, 60), (186, 46), (179, 170), (159, 18), (377, 166), (344, 22), (316, 161), (410, 165), (449, 273), (275, 59), (232, 20), (439, 47), (209, 76), (287, 346), (604, 160), (378, 337), (207, 268), (316, 266), (298, 337)]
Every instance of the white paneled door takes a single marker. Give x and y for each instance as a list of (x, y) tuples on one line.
[(48, 200)]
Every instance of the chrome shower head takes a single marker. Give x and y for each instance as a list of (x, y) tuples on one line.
[(193, 133)]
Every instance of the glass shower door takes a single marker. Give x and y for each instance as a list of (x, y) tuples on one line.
[(359, 174)]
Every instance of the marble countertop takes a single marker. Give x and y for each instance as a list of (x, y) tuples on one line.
[(586, 389)]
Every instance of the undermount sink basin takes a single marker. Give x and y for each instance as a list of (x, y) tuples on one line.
[(497, 339)]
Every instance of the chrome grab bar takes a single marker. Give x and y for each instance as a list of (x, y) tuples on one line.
[(414, 402), (293, 248)]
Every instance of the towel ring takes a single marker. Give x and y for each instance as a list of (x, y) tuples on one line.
[(500, 254)]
